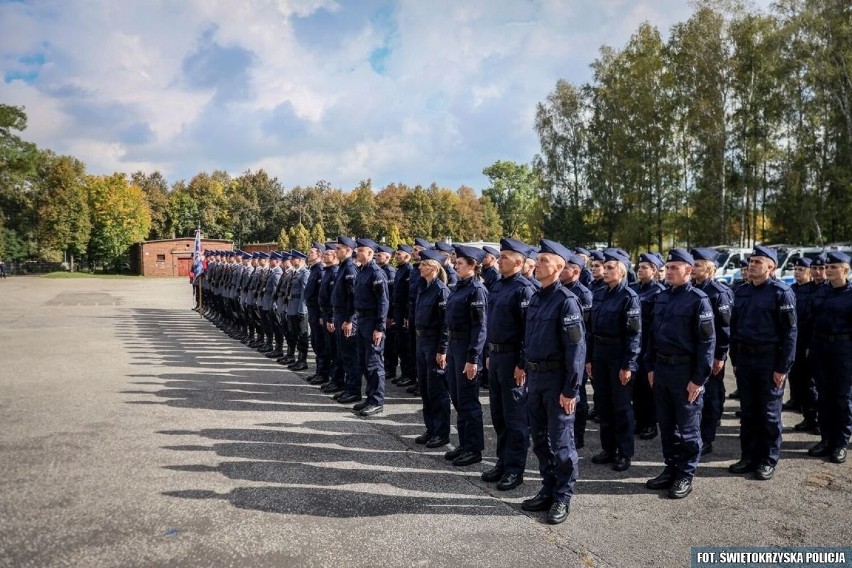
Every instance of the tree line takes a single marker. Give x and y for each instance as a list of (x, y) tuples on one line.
[(736, 129)]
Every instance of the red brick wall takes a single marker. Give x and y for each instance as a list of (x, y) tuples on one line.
[(264, 247), (160, 258)]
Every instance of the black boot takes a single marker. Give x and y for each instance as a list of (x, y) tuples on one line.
[(302, 363)]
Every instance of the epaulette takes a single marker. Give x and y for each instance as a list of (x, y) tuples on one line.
[(698, 292)]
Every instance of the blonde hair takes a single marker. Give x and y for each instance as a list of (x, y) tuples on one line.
[(442, 274)]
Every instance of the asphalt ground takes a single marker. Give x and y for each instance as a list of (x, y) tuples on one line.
[(135, 433)]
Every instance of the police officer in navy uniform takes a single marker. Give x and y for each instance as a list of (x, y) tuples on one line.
[(399, 316), (343, 301), (432, 339), (490, 270), (597, 260), (803, 391), (721, 300), (269, 281), (278, 315), (507, 315), (679, 359), (763, 346), (647, 287), (447, 251), (336, 375), (371, 304), (317, 336), (297, 309), (415, 285), (554, 350), (384, 254), (467, 326), (570, 278), (585, 274), (831, 349), (818, 266), (613, 342)]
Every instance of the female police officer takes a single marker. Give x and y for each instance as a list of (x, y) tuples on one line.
[(466, 317), (431, 331), (613, 342), (831, 350)]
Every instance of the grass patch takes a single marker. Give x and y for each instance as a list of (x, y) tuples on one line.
[(87, 275)]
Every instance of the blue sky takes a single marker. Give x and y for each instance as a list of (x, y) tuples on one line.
[(411, 91)]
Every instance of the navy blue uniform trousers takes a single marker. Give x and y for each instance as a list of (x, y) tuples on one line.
[(679, 419), (760, 399), (613, 400), (508, 412), (465, 397), (834, 379), (433, 388), (371, 361), (347, 358), (552, 433)]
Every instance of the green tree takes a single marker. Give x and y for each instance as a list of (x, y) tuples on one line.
[(362, 211), (515, 191), (156, 190), (318, 233), (283, 240), (418, 213), (119, 217), (65, 223), (300, 238), (393, 239)]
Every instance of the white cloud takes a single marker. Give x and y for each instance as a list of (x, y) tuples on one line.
[(315, 89)]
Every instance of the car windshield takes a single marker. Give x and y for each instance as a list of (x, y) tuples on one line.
[(723, 257)]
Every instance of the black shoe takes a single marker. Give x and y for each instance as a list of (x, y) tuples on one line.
[(621, 463), (492, 475), (289, 359), (437, 441), (265, 348), (331, 388), (806, 425), (791, 406), (540, 502), (735, 394), (467, 458), (274, 354), (338, 395), (648, 433), (603, 457), (558, 512), (838, 455), (423, 438), (510, 481), (349, 398), (742, 466), (360, 406), (453, 454), (738, 414), (593, 414), (318, 380), (820, 450), (406, 382), (371, 410), (300, 366), (681, 488), (663, 481), (707, 448), (413, 389), (764, 472)]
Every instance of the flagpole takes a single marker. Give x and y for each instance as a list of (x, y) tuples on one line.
[(197, 253)]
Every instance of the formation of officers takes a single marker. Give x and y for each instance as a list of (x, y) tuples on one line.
[(535, 325)]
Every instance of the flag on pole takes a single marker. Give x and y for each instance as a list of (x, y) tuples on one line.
[(198, 256)]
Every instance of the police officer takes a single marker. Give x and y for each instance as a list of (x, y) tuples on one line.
[(831, 349), (297, 309), (268, 304), (614, 342), (261, 304), (343, 302), (415, 284), (570, 278), (446, 250), (529, 268), (399, 316), (721, 300), (679, 360), (255, 330), (245, 318), (818, 266), (490, 270), (311, 294), (371, 303), (585, 274), (597, 270), (280, 280), (647, 287), (467, 326), (507, 315), (803, 391), (329, 275), (555, 350), (432, 339), (763, 345), (383, 257)]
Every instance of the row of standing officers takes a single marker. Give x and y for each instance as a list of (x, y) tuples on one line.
[(655, 353)]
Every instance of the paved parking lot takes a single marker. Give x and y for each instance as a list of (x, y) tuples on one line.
[(134, 433)]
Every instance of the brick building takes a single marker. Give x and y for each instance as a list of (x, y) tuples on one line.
[(169, 257), (260, 247)]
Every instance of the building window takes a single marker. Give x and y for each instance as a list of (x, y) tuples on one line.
[(161, 258)]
